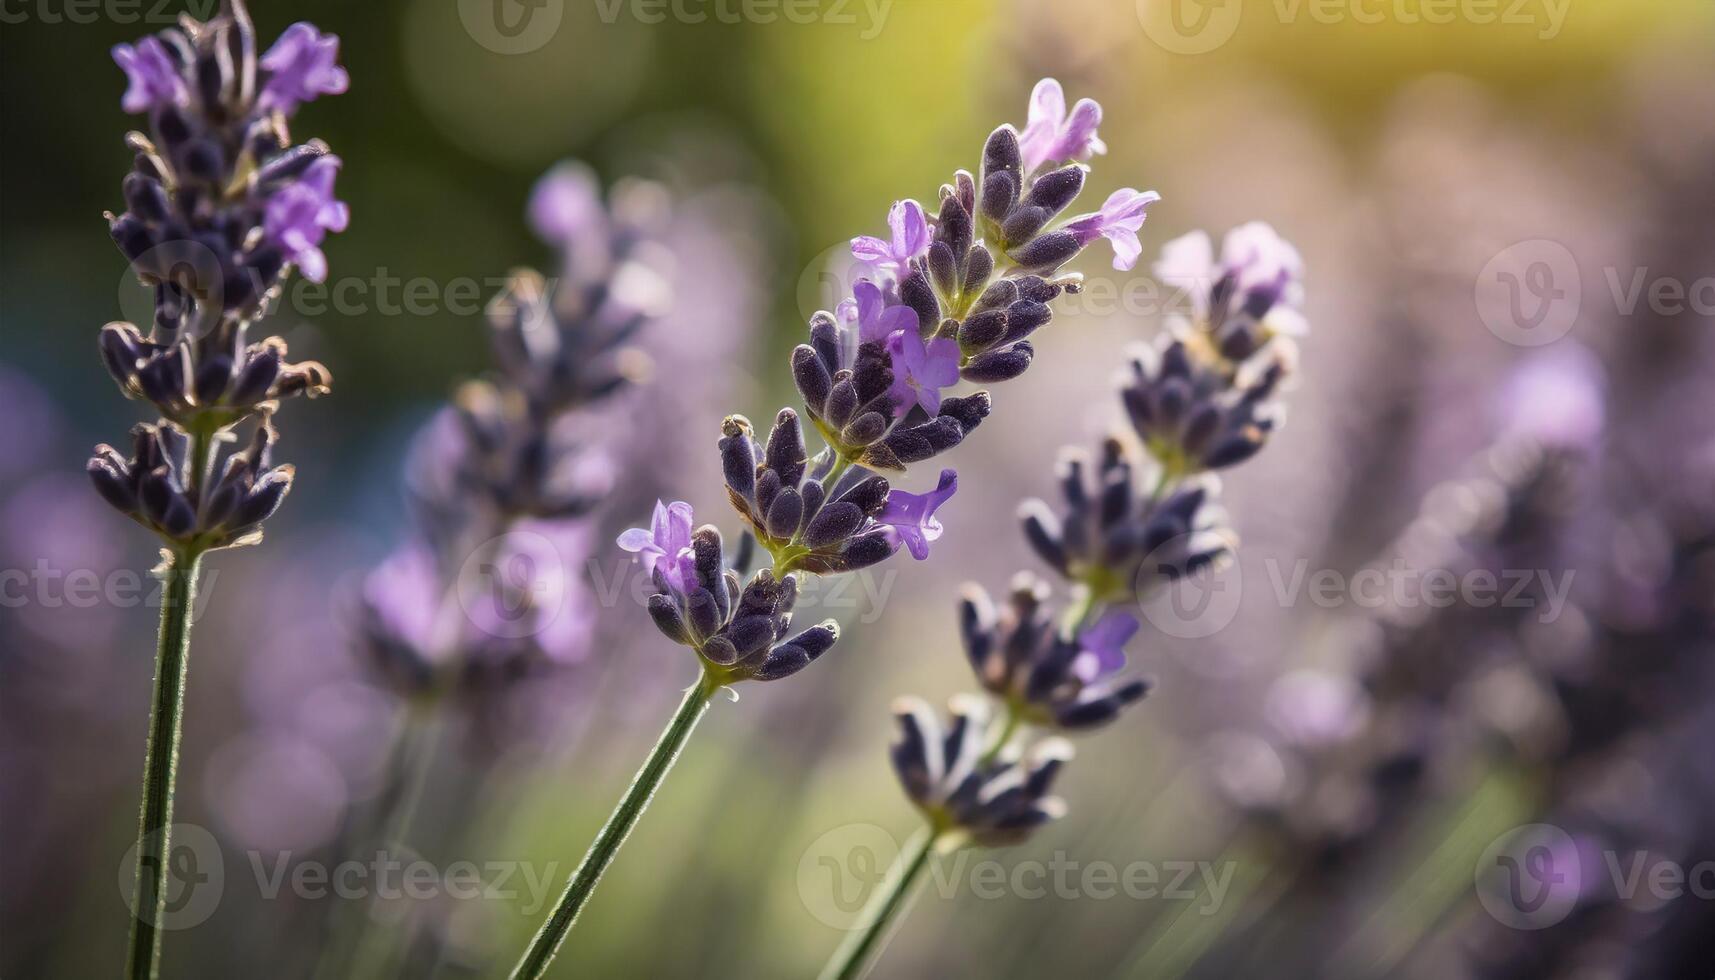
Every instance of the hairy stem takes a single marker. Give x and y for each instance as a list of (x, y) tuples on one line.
[(161, 765), (864, 943), (547, 942), (166, 723)]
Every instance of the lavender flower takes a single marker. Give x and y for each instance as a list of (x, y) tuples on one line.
[(502, 478), (1119, 221), (220, 205), (1254, 292), (952, 773), (1118, 543), (302, 66), (565, 203), (665, 545), (980, 273), (1044, 676), (912, 515), (153, 79), (891, 258), (218, 166), (921, 370), (298, 217), (1052, 134), (739, 632)]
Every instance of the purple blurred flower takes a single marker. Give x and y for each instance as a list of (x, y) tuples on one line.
[(565, 202), (1267, 273), (1119, 221), (152, 75), (666, 544), (1051, 134), (302, 66), (1102, 647), (911, 238), (1556, 397), (920, 371), (301, 214), (912, 515)]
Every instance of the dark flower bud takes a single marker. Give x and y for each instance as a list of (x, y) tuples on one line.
[(1001, 365), (1054, 190), (1045, 253), (916, 292)]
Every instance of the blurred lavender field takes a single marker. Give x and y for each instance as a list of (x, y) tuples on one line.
[(1476, 592)]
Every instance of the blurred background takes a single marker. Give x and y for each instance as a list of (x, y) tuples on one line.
[(1504, 211)]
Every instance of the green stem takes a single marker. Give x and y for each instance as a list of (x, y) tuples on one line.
[(161, 765), (1081, 611), (542, 949), (179, 572), (863, 944)]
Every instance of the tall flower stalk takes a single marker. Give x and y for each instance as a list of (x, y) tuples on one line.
[(951, 297), (502, 484), (1138, 517), (221, 207)]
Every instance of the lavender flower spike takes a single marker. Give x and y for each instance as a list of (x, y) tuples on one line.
[(219, 204), (1051, 134), (912, 515)]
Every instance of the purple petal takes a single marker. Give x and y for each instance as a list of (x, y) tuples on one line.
[(566, 201), (868, 248), (635, 540), (910, 230)]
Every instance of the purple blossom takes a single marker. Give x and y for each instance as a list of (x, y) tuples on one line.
[(565, 202), (1102, 646), (920, 371), (152, 76), (666, 544), (1119, 221), (301, 214), (877, 321), (912, 515), (1267, 273), (301, 66), (911, 238), (1052, 135)]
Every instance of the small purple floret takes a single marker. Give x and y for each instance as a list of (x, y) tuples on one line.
[(302, 65), (1052, 135), (152, 76), (666, 544), (921, 370), (912, 515), (301, 214), (1119, 221), (911, 238), (1103, 646)]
